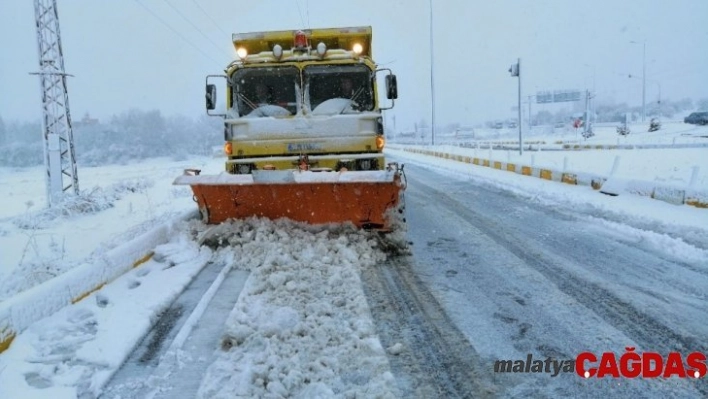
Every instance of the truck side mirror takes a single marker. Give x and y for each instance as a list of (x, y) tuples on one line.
[(210, 96), (391, 87)]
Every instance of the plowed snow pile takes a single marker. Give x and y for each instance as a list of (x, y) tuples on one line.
[(301, 327)]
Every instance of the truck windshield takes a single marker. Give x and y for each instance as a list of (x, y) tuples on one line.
[(339, 89), (266, 91)]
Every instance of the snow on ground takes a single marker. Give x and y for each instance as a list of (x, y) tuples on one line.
[(672, 132), (118, 202), (301, 325), (74, 352), (79, 348), (624, 208), (125, 200), (667, 165), (675, 166), (295, 272)]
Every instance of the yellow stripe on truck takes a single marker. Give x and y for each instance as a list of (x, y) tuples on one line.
[(310, 145)]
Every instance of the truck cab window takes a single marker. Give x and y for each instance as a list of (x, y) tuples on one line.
[(339, 89), (266, 91)]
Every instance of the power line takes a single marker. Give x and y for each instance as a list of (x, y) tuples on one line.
[(393, 61), (193, 25), (210, 18), (302, 20), (176, 32)]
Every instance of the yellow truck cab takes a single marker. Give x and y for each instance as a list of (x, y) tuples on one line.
[(303, 99)]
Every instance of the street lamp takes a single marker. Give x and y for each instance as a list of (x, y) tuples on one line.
[(593, 74), (588, 97), (644, 76), (432, 77)]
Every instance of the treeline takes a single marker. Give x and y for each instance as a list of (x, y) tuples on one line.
[(132, 135)]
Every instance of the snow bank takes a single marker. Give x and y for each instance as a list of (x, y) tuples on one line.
[(613, 185), (20, 311), (116, 205), (75, 351), (301, 327)]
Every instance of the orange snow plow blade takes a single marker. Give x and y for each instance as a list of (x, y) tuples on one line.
[(368, 199)]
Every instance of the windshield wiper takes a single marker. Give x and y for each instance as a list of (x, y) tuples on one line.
[(247, 101), (354, 97)]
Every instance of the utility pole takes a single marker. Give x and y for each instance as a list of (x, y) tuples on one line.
[(586, 128), (644, 78), (59, 155), (644, 81), (521, 143), (515, 70), (530, 97), (432, 75)]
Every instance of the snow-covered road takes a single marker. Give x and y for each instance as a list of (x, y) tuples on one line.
[(290, 318), (520, 278), (164, 363), (492, 276)]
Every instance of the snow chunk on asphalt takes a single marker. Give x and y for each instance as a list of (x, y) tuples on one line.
[(301, 327), (395, 349)]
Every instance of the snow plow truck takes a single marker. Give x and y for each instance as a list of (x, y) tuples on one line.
[(303, 132)]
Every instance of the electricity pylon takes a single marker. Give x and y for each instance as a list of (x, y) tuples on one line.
[(59, 156)]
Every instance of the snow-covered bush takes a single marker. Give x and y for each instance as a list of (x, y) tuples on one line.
[(21, 154), (139, 185), (88, 201)]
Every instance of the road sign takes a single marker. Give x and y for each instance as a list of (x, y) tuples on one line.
[(544, 97), (557, 96)]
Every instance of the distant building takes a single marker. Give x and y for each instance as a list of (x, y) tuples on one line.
[(464, 133), (86, 121)]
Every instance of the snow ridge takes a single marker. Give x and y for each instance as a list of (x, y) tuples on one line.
[(301, 327)]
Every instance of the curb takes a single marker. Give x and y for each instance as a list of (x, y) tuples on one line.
[(20, 311), (580, 147), (667, 193)]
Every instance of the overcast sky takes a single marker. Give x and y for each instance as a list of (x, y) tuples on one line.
[(123, 56)]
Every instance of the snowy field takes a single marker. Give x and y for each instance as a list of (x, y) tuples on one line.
[(294, 273), (681, 166), (117, 203)]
